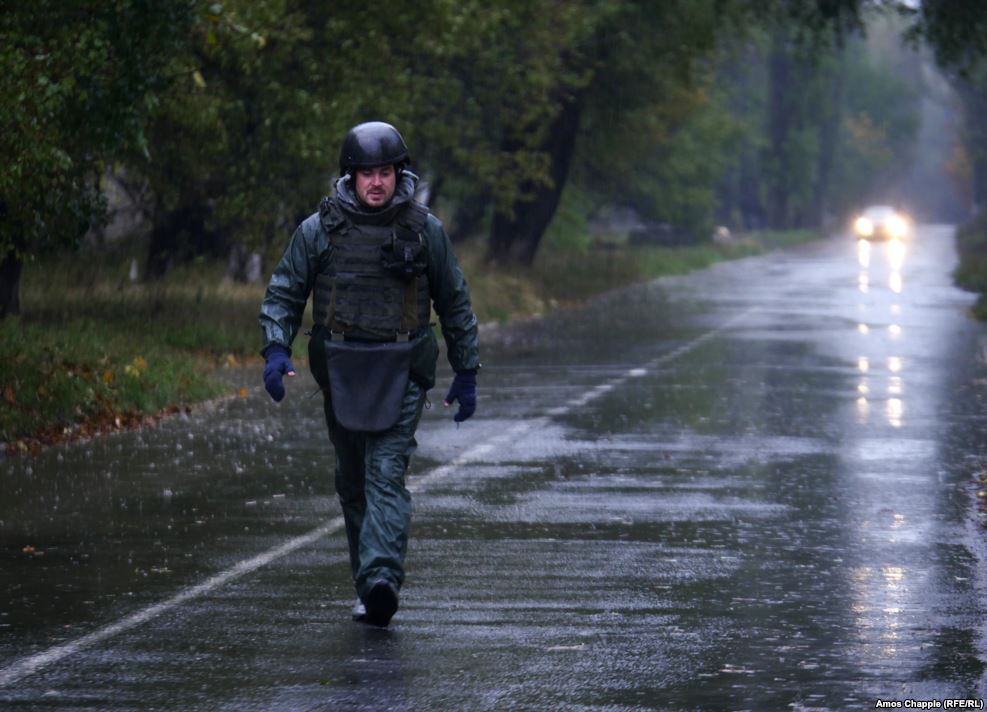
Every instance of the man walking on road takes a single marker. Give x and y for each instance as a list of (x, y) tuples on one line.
[(376, 262)]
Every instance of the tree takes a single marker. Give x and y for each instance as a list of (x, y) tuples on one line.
[(248, 136), (826, 120), (240, 135), (77, 81), (956, 31), (653, 129), (640, 119)]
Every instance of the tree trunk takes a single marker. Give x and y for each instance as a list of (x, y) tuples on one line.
[(469, 215), (162, 248), (515, 238), (244, 266), (780, 76), (10, 284), (177, 236), (829, 135)]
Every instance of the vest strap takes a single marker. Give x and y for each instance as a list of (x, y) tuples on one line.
[(331, 216)]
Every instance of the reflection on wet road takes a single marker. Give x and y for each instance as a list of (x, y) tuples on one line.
[(747, 488)]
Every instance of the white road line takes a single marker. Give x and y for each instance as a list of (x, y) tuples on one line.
[(26, 667), (29, 665)]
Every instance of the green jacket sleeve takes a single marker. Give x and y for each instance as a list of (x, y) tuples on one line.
[(283, 307), (451, 298)]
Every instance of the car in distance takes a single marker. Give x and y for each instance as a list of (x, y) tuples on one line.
[(881, 222)]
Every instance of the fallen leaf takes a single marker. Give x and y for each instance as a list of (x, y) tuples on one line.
[(244, 391), (107, 376), (8, 394)]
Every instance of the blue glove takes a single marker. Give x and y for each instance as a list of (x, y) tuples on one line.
[(463, 389), (278, 364)]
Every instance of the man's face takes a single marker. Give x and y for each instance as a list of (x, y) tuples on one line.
[(375, 186)]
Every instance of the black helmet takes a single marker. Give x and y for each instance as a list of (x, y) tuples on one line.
[(371, 144)]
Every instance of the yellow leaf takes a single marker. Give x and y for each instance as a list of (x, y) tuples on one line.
[(135, 367), (107, 376), (243, 391), (199, 80)]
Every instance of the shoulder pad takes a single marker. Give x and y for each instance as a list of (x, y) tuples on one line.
[(414, 216), (331, 216)]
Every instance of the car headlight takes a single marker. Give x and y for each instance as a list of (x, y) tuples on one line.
[(863, 227), (897, 226)]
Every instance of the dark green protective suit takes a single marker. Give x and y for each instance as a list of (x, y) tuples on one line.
[(371, 466)]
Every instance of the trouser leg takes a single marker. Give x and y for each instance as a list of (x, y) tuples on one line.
[(387, 520), (349, 480), (376, 504)]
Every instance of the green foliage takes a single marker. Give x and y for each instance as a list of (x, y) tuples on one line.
[(643, 119), (195, 309), (101, 350), (474, 89), (971, 241), (821, 126), (232, 112), (240, 135), (680, 188), (955, 29), (569, 230), (77, 81), (92, 372), (971, 273), (880, 124), (249, 132)]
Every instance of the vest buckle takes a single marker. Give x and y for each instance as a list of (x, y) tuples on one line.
[(402, 336)]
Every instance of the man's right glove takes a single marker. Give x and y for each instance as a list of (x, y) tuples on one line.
[(463, 389), (278, 364)]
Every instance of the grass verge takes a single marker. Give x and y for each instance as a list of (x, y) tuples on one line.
[(971, 273), (565, 277), (98, 353)]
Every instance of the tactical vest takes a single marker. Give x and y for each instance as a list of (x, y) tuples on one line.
[(374, 286)]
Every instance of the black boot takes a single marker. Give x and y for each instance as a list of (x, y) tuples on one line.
[(381, 602)]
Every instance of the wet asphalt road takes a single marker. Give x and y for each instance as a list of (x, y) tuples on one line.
[(747, 488)]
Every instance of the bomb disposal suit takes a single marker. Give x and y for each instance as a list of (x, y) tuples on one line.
[(374, 273)]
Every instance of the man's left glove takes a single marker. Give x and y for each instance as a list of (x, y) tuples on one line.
[(278, 364), (463, 389)]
